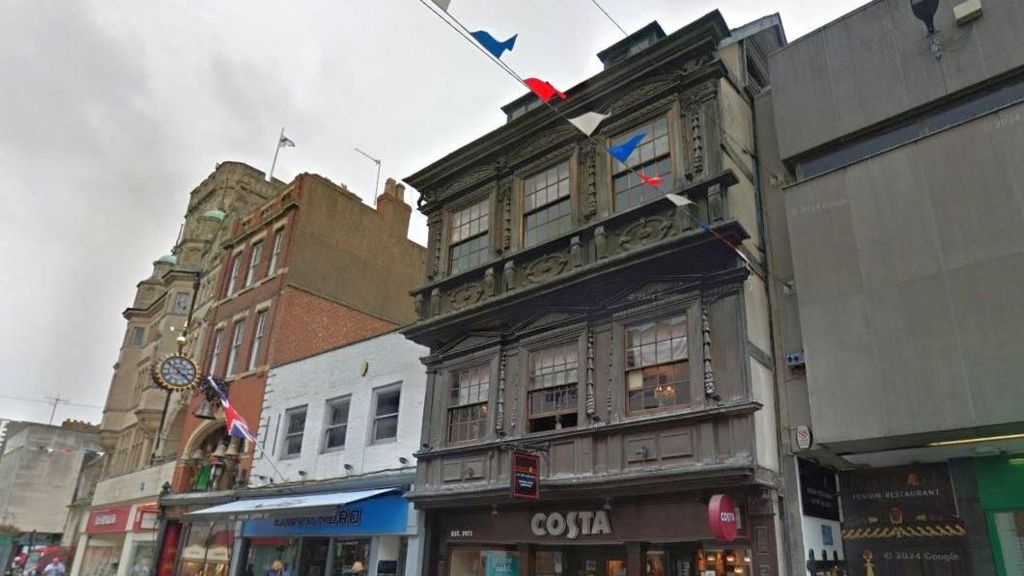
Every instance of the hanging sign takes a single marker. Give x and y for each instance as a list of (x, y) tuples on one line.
[(722, 518), (525, 476)]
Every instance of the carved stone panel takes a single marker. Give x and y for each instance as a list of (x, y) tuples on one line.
[(546, 267), (465, 295), (646, 231)]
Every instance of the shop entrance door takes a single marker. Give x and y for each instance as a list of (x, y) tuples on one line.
[(313, 558)]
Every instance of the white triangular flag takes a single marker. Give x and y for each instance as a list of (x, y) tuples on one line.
[(588, 122), (285, 142), (443, 4)]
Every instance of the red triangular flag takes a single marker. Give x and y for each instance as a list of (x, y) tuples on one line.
[(652, 181), (544, 90)]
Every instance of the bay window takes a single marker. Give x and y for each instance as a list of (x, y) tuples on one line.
[(657, 364)]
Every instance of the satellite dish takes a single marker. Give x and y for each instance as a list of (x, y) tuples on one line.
[(925, 11)]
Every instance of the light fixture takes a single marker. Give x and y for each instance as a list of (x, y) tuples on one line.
[(607, 504), (494, 509), (403, 460), (348, 468), (303, 474), (978, 440), (197, 455), (233, 448), (220, 451), (357, 566)]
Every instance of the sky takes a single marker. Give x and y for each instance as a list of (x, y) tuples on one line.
[(112, 111)]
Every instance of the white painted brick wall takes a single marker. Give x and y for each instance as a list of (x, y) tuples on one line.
[(315, 380)]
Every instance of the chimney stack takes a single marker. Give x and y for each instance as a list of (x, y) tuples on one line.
[(393, 209)]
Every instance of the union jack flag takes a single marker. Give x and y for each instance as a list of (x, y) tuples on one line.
[(236, 425)]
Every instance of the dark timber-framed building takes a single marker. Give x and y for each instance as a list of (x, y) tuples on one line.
[(570, 308)]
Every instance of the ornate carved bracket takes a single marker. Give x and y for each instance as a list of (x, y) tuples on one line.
[(499, 412), (591, 402), (710, 390), (588, 154)]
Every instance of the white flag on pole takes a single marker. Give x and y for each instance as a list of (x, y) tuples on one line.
[(588, 122), (285, 142)]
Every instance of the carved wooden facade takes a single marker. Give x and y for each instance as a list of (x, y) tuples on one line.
[(582, 291)]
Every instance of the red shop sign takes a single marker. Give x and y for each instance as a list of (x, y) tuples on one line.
[(146, 517), (108, 520), (525, 476), (722, 518)]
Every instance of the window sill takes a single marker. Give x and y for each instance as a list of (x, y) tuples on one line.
[(383, 442)]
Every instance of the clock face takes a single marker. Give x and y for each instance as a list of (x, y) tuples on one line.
[(176, 372)]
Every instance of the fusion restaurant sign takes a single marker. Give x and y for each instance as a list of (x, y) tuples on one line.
[(903, 521), (571, 525)]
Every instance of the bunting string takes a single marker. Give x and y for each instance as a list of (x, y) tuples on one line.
[(586, 123), (609, 16)]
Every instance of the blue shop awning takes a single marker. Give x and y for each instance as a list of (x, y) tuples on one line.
[(283, 506)]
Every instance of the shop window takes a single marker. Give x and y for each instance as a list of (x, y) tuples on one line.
[(335, 424), (547, 204), (207, 550), (652, 157), (272, 554), (295, 424), (385, 413), (1010, 532), (549, 563), (473, 561), (469, 240), (143, 558), (468, 395), (657, 364), (351, 558), (554, 388)]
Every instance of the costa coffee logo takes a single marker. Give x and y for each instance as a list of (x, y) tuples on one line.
[(572, 525), (722, 518)]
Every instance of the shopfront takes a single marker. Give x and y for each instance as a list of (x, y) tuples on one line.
[(118, 541), (656, 536), (1001, 491), (363, 533)]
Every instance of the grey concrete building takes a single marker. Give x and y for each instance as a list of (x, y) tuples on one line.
[(38, 474), (895, 204)]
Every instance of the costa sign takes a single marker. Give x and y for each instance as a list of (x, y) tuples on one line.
[(571, 525), (722, 518)]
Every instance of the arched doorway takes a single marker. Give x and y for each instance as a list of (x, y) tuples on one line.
[(210, 460)]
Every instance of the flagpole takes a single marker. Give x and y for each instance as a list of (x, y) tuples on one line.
[(277, 149)]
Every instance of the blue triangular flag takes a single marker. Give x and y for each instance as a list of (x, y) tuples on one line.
[(492, 45), (622, 151)]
